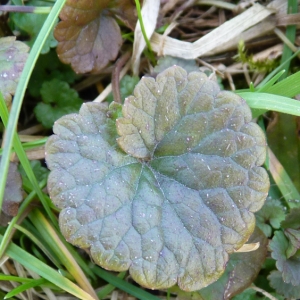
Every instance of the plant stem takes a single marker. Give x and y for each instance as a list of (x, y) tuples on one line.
[(140, 17)]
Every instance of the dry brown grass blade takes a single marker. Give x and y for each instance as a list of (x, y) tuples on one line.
[(249, 247), (223, 37), (149, 12)]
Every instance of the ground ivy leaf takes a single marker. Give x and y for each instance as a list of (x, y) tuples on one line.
[(49, 67), (58, 100), (271, 213), (290, 267), (127, 85), (88, 38), (174, 212), (291, 226), (13, 55), (292, 219), (12, 195), (288, 290), (125, 10), (294, 241), (167, 61)]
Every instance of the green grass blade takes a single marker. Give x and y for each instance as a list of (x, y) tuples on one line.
[(30, 262), (39, 242), (265, 88), (25, 163), (277, 70), (288, 87), (263, 101), (52, 240), (140, 17), (9, 230), (109, 287), (20, 92), (124, 285), (4, 277), (290, 34), (284, 182), (32, 145), (26, 286)]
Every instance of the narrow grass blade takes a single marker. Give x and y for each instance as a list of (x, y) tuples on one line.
[(267, 102), (20, 92), (53, 241), (40, 244), (26, 286), (4, 277), (288, 87), (109, 288), (290, 34), (124, 285), (25, 163), (10, 229), (32, 263), (265, 88), (284, 182), (278, 69)]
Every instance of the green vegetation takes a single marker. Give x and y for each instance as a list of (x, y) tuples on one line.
[(161, 190)]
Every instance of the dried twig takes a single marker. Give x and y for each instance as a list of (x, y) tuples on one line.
[(115, 80)]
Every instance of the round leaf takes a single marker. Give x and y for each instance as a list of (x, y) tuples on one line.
[(13, 55), (182, 195)]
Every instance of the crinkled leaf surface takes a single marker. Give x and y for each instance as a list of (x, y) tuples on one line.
[(88, 38), (288, 290), (182, 195), (290, 267), (58, 100), (270, 215), (13, 193), (13, 55)]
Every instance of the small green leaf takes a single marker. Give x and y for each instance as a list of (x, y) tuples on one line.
[(40, 172), (270, 215), (291, 226), (13, 55), (290, 267), (31, 24), (248, 294), (166, 62), (49, 67), (294, 241), (282, 287), (292, 219), (127, 85), (183, 194), (58, 100)]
